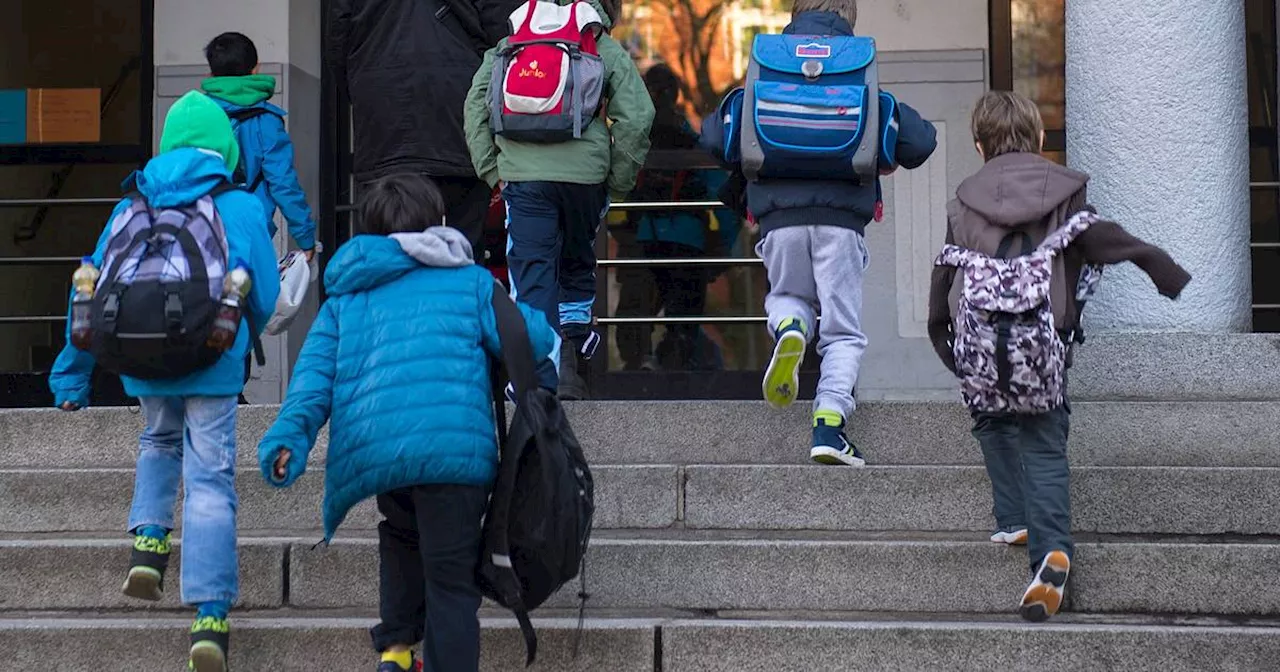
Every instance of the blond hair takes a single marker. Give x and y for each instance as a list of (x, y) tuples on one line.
[(1005, 122), (847, 9)]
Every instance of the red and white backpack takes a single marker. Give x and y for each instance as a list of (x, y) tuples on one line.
[(548, 81)]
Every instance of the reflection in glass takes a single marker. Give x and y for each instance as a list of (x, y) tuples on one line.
[(1040, 56)]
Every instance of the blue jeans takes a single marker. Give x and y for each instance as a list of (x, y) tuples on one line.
[(551, 254), (192, 440)]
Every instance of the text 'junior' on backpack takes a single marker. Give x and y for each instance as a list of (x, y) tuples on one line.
[(157, 299), (538, 524), (548, 81), (1009, 354), (810, 108)]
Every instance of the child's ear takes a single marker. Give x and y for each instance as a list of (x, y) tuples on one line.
[(259, 66), (1042, 141), (978, 146)]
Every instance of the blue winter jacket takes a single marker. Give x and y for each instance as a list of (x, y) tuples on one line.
[(265, 148), (173, 179), (398, 363), (778, 203)]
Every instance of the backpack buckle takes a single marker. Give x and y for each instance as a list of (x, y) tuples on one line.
[(111, 308), (173, 310)]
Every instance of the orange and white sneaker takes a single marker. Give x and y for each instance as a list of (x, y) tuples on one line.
[(1044, 596), (1011, 536)]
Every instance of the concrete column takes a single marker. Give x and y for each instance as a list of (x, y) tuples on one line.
[(1157, 114)]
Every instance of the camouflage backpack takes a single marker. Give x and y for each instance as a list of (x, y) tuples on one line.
[(1008, 353)]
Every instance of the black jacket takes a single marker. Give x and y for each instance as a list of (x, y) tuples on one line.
[(407, 66), (778, 203)]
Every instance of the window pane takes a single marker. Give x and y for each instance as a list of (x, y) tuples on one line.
[(1039, 56), (78, 62)]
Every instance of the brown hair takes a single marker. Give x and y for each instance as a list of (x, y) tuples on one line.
[(847, 9), (1005, 122)]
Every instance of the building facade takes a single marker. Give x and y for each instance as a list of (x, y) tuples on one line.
[(1170, 106)]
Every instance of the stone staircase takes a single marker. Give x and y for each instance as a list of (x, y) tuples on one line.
[(718, 548)]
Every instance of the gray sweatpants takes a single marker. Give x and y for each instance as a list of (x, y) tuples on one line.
[(820, 268)]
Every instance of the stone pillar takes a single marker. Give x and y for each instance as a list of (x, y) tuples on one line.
[(1157, 114)]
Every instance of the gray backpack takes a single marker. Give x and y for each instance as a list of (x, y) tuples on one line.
[(1009, 354)]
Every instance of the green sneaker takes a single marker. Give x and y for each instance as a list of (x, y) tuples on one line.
[(210, 640), (147, 564), (782, 379)]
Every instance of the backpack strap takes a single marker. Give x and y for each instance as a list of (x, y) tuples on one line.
[(517, 356), (259, 353), (1064, 236), (1006, 244), (238, 117)]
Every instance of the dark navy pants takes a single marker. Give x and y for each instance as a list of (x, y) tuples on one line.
[(551, 255), (1026, 457), (429, 548)]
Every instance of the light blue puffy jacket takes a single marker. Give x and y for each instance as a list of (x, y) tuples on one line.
[(397, 363)]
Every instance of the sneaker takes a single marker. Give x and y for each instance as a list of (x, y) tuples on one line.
[(782, 379), (830, 445), (1013, 536), (573, 387), (210, 641), (147, 564), (1044, 596), (415, 665)]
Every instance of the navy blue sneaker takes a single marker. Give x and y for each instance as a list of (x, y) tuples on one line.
[(830, 445), (782, 378)]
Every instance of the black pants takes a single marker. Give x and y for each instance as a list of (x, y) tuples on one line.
[(429, 548), (466, 202), (1026, 458)]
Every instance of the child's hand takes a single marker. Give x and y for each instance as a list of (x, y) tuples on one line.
[(70, 406), (282, 464), (281, 470)]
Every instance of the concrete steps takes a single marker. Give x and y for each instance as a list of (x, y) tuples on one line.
[(1184, 433), (287, 644), (719, 547), (703, 572), (1117, 500)]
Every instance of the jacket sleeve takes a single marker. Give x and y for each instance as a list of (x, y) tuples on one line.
[(541, 337), (940, 318), (263, 268), (338, 44), (282, 181), (917, 138), (310, 398), (631, 110), (71, 373), (475, 120), (1106, 242)]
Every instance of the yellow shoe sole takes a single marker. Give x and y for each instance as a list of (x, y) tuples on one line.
[(208, 657), (143, 583), (782, 379)]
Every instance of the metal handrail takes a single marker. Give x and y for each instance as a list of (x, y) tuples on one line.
[(624, 206), (38, 261), (32, 319), (730, 261), (43, 202), (707, 319)]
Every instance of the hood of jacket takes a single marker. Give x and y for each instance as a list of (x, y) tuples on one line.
[(245, 91), (368, 262), (818, 23), (1016, 189), (196, 121), (181, 177)]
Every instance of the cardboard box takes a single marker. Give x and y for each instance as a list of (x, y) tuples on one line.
[(64, 115)]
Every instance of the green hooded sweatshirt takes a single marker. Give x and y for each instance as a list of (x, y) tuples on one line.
[(244, 91), (196, 121), (607, 153)]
